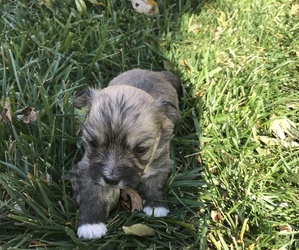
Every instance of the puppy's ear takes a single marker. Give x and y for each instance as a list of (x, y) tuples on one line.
[(83, 98), (170, 110)]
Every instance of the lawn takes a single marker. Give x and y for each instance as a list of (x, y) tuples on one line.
[(234, 183)]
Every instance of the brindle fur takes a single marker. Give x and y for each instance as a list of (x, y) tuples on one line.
[(126, 138)]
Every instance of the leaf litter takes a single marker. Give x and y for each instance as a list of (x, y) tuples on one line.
[(139, 230), (5, 115), (26, 114), (131, 200)]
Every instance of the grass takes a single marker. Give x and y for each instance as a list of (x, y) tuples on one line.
[(229, 188)]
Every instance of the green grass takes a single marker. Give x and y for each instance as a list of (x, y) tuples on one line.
[(238, 61)]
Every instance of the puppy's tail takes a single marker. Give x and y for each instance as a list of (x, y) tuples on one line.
[(174, 80)]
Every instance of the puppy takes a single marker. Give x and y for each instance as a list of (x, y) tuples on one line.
[(126, 138)]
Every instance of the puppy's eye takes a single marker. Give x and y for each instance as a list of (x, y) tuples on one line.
[(93, 144), (139, 150)]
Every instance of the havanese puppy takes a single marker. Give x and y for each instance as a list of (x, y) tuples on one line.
[(126, 137)]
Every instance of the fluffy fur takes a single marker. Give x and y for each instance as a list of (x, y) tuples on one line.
[(126, 138)]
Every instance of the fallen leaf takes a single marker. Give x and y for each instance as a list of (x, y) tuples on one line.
[(5, 116), (275, 142), (27, 114), (139, 230), (263, 151), (294, 9), (194, 28), (285, 228), (149, 7), (251, 246), (218, 33), (268, 140), (290, 144), (222, 19), (216, 216), (184, 63), (131, 200), (283, 127), (36, 243)]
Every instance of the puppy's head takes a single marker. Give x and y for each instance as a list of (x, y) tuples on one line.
[(124, 132)]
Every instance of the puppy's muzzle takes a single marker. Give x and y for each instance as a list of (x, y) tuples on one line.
[(111, 181), (122, 176)]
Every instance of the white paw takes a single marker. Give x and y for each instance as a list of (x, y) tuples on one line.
[(92, 231), (156, 211)]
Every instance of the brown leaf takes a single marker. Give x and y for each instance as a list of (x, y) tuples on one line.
[(27, 114), (184, 63), (5, 115), (216, 216), (285, 228), (36, 243), (131, 200)]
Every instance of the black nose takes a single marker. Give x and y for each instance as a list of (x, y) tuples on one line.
[(110, 181)]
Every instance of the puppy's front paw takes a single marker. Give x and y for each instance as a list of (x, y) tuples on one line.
[(92, 231), (156, 211)]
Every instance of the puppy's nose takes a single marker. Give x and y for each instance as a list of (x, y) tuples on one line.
[(110, 181)]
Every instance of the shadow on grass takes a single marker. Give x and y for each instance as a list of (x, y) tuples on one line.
[(49, 52)]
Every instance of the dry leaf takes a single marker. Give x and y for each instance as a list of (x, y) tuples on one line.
[(218, 33), (285, 228), (36, 243), (131, 200), (27, 114), (294, 9), (149, 7), (290, 144), (268, 140), (5, 116), (139, 230), (275, 142), (263, 151), (282, 127), (222, 19), (185, 64), (216, 216)]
